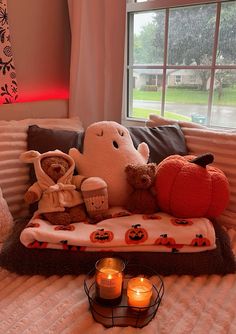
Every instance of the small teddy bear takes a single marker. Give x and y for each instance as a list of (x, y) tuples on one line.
[(142, 198), (58, 200)]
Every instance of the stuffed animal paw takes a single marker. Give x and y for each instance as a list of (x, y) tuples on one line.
[(57, 218), (30, 197)]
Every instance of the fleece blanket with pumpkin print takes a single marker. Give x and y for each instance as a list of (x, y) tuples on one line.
[(159, 232)]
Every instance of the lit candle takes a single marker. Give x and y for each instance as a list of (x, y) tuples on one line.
[(109, 280), (139, 292)]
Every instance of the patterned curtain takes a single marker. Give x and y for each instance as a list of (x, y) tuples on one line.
[(8, 83)]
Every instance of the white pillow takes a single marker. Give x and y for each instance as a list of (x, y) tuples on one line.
[(14, 175), (50, 123), (6, 219)]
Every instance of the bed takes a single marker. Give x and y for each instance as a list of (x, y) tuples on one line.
[(42, 290)]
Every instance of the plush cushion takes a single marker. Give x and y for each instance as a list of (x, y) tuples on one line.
[(17, 258), (108, 149), (44, 139), (162, 141), (222, 144), (6, 219), (14, 175)]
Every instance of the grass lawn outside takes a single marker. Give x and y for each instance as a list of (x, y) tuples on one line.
[(188, 96), (144, 113)]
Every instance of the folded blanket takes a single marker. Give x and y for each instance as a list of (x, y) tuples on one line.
[(124, 232)]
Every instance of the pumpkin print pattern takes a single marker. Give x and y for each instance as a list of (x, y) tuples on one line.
[(64, 228), (101, 236), (181, 222), (74, 248), (153, 216), (200, 241), (164, 240), (38, 244), (136, 235)]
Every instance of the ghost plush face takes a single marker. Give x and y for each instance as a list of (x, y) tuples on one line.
[(108, 148)]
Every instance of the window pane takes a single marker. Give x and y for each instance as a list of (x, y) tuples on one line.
[(148, 38), (226, 52), (224, 101), (145, 97), (187, 95), (191, 35)]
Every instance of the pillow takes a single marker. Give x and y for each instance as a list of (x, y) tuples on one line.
[(15, 257), (43, 140), (162, 140), (14, 175), (52, 123), (6, 219)]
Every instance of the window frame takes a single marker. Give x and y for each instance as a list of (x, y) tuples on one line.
[(133, 7)]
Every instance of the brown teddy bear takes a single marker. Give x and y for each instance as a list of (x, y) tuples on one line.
[(58, 200), (142, 198)]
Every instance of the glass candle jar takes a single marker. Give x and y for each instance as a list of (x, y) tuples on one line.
[(109, 280), (139, 293)]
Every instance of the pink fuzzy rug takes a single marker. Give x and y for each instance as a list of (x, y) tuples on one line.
[(196, 305)]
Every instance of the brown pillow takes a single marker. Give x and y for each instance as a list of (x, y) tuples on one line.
[(43, 140), (162, 140)]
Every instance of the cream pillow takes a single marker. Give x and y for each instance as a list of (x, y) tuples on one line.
[(6, 219)]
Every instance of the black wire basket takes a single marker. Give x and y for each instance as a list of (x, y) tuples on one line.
[(123, 314)]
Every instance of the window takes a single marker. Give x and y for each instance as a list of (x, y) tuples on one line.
[(181, 60), (177, 79)]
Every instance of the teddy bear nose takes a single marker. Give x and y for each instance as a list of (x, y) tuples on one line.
[(144, 179), (57, 169)]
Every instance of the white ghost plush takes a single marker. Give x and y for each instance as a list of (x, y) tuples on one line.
[(108, 148)]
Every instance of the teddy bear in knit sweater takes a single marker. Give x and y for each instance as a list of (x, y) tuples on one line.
[(59, 202)]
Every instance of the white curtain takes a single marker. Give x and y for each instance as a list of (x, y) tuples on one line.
[(97, 59)]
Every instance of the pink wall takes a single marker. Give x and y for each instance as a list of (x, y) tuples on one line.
[(40, 38)]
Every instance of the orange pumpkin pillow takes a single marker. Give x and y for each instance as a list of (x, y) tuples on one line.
[(188, 187)]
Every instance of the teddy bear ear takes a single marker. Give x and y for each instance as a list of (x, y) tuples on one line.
[(29, 156), (129, 168), (152, 167)]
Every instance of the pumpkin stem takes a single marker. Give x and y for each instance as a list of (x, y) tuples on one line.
[(203, 160)]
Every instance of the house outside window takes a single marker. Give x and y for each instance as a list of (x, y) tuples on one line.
[(182, 55)]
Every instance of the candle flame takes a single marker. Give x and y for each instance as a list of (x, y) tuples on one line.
[(109, 276)]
